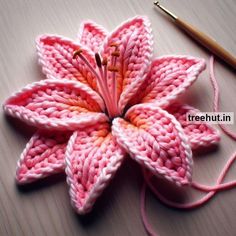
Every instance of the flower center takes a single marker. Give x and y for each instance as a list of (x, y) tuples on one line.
[(108, 92)]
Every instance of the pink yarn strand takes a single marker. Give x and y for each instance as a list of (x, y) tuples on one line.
[(210, 190), (216, 99), (146, 224)]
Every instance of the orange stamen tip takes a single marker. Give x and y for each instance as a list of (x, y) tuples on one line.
[(104, 61), (113, 69), (98, 60), (113, 45), (77, 53), (116, 54)]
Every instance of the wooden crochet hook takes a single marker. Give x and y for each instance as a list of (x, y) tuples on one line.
[(201, 37)]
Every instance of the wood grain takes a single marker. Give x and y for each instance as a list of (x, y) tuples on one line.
[(44, 208), (206, 41)]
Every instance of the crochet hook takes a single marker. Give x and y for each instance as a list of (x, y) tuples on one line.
[(201, 37)]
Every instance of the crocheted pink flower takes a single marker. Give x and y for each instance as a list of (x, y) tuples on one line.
[(102, 100)]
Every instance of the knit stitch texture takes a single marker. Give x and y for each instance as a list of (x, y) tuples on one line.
[(105, 98)]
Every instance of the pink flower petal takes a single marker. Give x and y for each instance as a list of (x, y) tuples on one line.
[(56, 57), (155, 139), (56, 104), (134, 42), (199, 135), (168, 77), (44, 155), (92, 159), (91, 35)]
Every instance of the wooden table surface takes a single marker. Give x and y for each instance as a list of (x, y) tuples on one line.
[(44, 208)]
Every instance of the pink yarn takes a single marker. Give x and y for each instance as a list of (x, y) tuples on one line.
[(47, 150), (105, 98), (216, 98), (210, 190)]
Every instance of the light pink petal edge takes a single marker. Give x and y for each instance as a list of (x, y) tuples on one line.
[(91, 35)]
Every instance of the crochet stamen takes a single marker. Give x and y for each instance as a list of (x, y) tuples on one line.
[(110, 99), (104, 61), (113, 69), (103, 76), (98, 60), (77, 53), (115, 54)]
